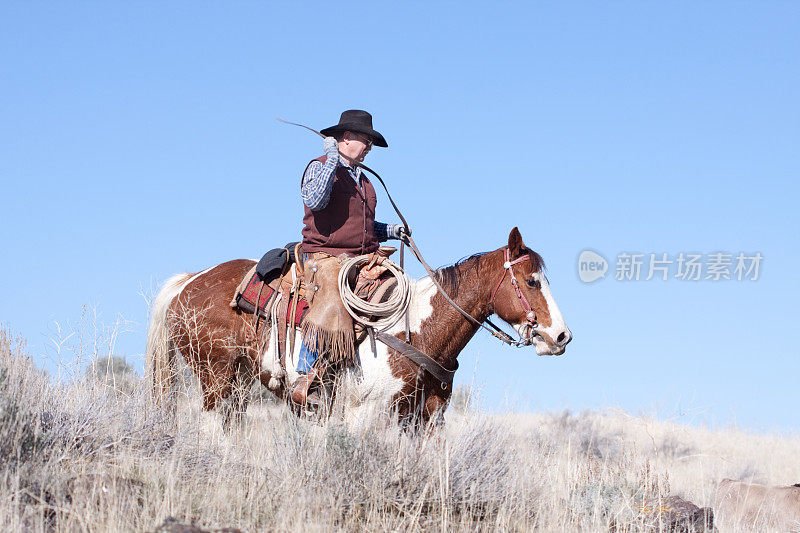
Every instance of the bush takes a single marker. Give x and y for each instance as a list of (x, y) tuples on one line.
[(114, 372), (82, 456)]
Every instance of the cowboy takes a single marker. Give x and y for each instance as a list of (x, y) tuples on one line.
[(339, 223)]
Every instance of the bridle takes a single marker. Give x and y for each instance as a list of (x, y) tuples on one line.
[(530, 314), (495, 330)]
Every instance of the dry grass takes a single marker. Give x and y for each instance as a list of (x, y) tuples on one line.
[(88, 456)]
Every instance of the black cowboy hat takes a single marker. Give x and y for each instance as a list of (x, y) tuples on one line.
[(359, 122)]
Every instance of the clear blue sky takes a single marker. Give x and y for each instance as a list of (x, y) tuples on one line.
[(136, 140)]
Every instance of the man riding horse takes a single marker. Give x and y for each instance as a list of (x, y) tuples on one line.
[(193, 317), (339, 223)]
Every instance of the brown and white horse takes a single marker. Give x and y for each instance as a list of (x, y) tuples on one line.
[(192, 315)]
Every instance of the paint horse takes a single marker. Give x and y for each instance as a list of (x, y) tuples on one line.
[(191, 315)]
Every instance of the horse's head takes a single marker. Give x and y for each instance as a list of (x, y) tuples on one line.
[(523, 299)]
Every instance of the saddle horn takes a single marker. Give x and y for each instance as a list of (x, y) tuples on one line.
[(298, 258)]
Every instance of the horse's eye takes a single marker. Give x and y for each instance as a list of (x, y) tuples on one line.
[(533, 283)]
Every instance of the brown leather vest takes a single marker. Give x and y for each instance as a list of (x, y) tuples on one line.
[(346, 224)]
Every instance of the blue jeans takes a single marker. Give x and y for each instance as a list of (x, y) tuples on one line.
[(307, 359)]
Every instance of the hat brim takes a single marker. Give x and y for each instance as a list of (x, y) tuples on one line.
[(377, 138)]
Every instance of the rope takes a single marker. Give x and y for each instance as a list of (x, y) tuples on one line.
[(388, 313)]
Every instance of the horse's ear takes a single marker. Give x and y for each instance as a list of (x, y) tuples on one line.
[(515, 243)]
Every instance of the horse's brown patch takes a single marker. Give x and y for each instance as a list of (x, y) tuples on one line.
[(211, 336)]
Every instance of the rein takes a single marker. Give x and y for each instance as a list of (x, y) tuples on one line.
[(495, 330)]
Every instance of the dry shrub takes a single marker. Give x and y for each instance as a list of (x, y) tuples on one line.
[(88, 455)]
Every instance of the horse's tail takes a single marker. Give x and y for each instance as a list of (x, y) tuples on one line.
[(160, 352)]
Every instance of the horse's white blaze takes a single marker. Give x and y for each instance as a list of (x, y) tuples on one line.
[(373, 381), (557, 323)]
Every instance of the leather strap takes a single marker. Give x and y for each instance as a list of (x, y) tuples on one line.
[(293, 313), (424, 361), (256, 314), (283, 309), (407, 316), (371, 333)]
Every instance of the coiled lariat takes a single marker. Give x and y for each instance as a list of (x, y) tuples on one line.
[(378, 315)]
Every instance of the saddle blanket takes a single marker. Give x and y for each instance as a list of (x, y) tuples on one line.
[(255, 294)]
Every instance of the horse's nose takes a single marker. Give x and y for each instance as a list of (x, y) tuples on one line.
[(564, 337)]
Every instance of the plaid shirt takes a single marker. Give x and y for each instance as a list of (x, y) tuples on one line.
[(318, 183)]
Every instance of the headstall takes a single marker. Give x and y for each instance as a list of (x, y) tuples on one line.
[(530, 314)]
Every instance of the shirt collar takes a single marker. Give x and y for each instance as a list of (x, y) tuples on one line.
[(356, 174)]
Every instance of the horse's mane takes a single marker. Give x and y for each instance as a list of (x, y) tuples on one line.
[(450, 276)]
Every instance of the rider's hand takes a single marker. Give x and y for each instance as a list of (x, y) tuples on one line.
[(398, 231), (331, 146)]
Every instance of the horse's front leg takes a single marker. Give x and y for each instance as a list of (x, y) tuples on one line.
[(424, 413)]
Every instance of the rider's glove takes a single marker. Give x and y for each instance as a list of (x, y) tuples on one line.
[(331, 147), (397, 231)]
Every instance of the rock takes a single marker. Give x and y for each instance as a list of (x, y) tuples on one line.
[(676, 515)]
